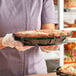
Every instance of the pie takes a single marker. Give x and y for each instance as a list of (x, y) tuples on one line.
[(69, 69), (41, 37), (69, 60), (70, 46), (41, 33)]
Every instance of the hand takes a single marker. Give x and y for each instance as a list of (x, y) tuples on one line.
[(54, 47), (49, 48), (8, 41), (19, 46)]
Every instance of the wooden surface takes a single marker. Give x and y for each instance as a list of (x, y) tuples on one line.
[(49, 74)]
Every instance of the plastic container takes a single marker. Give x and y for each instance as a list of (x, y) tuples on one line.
[(42, 41)]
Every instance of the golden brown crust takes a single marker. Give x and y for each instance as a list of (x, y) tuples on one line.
[(40, 33), (30, 34), (69, 60), (69, 69)]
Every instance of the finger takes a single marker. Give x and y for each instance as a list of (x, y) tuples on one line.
[(23, 48), (18, 44), (56, 47), (49, 48)]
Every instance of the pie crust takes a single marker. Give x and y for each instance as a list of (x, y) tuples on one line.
[(41, 33), (69, 69)]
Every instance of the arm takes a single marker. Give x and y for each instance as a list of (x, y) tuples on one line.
[(48, 20), (8, 41), (47, 26)]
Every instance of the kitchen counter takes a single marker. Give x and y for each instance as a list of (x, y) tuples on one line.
[(49, 74)]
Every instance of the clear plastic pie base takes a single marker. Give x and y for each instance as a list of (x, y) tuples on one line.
[(41, 41)]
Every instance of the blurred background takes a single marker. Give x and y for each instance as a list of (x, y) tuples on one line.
[(52, 58)]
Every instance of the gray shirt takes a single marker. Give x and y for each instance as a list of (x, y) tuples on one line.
[(17, 15)]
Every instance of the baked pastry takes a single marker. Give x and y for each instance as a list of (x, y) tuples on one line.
[(70, 46), (69, 25), (41, 37), (69, 60), (67, 3), (73, 34), (69, 69), (41, 33)]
